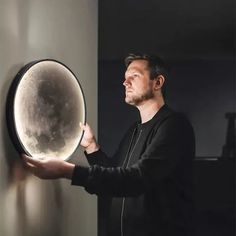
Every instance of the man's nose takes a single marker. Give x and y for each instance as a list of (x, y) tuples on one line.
[(126, 82)]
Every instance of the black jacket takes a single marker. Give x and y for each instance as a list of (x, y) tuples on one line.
[(150, 177)]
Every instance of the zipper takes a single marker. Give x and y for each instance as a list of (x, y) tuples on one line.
[(121, 216), (128, 156)]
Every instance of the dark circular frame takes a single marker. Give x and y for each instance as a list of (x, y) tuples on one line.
[(10, 116)]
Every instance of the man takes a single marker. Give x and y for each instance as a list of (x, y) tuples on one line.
[(150, 175)]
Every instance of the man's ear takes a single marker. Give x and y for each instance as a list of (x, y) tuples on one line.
[(159, 81)]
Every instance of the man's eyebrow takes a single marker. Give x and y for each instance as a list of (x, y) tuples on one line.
[(136, 69)]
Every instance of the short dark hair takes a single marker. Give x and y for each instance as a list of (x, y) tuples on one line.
[(156, 65)]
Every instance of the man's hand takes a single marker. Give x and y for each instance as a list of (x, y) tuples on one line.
[(49, 168), (88, 141)]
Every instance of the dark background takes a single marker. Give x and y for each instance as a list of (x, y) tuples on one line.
[(197, 39)]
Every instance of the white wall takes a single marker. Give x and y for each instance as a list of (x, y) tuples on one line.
[(65, 30)]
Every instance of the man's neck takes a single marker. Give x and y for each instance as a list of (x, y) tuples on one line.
[(149, 109)]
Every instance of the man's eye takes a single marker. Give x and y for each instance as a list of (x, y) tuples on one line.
[(135, 75)]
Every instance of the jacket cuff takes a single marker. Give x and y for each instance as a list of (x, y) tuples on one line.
[(93, 157), (93, 154), (80, 175)]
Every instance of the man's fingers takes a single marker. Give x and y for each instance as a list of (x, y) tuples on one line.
[(82, 126), (30, 167), (31, 164), (29, 160)]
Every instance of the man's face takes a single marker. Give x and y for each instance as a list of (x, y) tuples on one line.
[(138, 86)]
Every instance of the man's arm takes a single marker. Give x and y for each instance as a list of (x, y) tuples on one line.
[(169, 154), (160, 160), (49, 168)]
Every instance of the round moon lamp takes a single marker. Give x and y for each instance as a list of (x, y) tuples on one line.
[(45, 105)]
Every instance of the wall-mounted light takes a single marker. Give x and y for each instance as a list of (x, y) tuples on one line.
[(45, 105)]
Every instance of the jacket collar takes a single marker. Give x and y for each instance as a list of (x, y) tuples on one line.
[(161, 114)]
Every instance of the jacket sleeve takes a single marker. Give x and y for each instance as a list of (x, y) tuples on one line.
[(99, 158), (165, 153)]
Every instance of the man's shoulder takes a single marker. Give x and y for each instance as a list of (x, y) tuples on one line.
[(169, 116)]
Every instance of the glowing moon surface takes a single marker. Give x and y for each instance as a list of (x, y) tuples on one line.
[(48, 106)]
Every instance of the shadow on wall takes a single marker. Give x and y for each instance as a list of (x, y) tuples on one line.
[(30, 206), (15, 169)]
